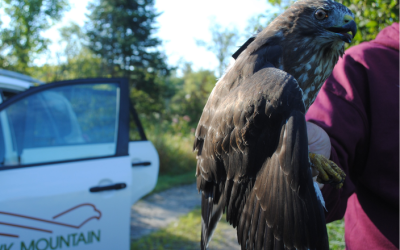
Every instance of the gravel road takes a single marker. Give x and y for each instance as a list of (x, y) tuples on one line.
[(159, 210)]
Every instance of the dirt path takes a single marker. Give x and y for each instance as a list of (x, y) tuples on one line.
[(161, 209)]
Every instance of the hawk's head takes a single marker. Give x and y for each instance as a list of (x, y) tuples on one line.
[(324, 20)]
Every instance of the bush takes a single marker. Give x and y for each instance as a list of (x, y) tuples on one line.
[(175, 152)]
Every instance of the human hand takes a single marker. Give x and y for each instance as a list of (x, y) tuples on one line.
[(318, 140), (318, 143)]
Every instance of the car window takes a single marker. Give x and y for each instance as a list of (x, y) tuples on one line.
[(63, 123)]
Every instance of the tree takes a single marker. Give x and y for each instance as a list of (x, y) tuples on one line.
[(74, 38), (83, 65), (120, 33), (22, 41), (74, 61), (192, 93), (224, 43)]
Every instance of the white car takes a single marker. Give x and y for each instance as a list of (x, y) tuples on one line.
[(69, 172)]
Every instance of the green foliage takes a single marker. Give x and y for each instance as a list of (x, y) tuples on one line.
[(336, 235), (148, 91), (192, 93), (75, 61), (372, 16), (281, 3), (83, 65), (184, 101), (120, 32), (174, 150), (75, 39), (21, 41)]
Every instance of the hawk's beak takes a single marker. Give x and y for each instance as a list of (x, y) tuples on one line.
[(343, 31)]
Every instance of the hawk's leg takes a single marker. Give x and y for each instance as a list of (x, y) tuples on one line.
[(329, 172)]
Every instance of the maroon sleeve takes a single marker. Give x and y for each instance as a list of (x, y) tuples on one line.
[(341, 110)]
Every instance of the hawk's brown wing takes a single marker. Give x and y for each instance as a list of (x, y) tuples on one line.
[(253, 163)]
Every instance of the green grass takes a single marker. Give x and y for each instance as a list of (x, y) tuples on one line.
[(336, 235), (185, 234), (181, 235)]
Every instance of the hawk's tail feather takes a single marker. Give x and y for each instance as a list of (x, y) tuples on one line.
[(232, 210), (212, 207), (206, 212)]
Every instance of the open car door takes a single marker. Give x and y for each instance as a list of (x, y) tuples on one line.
[(65, 169)]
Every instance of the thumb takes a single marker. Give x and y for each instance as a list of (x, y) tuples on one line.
[(318, 140)]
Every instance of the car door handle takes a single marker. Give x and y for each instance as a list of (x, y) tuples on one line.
[(144, 163), (116, 186)]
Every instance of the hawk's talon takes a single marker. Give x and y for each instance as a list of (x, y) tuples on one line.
[(330, 181), (329, 172)]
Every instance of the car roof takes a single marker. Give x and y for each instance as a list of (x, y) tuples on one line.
[(11, 80)]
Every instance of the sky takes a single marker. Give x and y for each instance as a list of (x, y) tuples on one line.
[(180, 24)]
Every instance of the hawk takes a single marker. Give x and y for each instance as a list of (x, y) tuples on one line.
[(253, 161)]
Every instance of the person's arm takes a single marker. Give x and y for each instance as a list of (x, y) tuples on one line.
[(339, 110)]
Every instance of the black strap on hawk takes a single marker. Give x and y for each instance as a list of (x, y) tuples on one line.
[(243, 47)]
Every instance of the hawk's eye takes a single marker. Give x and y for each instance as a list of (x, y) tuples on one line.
[(321, 15)]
